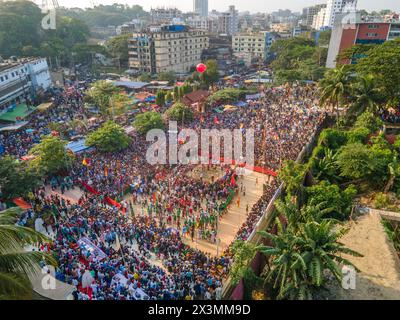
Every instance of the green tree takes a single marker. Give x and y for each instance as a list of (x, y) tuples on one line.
[(299, 260), (369, 121), (101, 93), (110, 137), (243, 252), (160, 98), (16, 263), (292, 175), (211, 75), (147, 121), (118, 48), (19, 27), (179, 112), (366, 95), (382, 62), (50, 155), (332, 198), (355, 161), (17, 179), (334, 88), (145, 77), (169, 76)]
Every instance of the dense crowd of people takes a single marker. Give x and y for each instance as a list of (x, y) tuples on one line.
[(138, 237)]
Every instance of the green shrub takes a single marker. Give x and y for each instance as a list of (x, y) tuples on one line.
[(332, 138)]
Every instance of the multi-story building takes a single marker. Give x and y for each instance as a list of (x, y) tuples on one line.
[(228, 22), (204, 23), (250, 47), (164, 15), (355, 29), (22, 79), (200, 7), (319, 19), (220, 49), (166, 48), (337, 7), (310, 13)]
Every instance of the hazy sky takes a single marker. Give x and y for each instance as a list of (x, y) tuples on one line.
[(242, 5)]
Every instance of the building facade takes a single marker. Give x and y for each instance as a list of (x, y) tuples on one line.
[(250, 47), (200, 7), (310, 13), (22, 79), (164, 15), (337, 7), (359, 30), (228, 22), (167, 48)]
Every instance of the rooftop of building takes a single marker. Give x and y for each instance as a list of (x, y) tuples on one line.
[(12, 63)]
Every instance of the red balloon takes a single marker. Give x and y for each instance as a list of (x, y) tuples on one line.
[(201, 68)]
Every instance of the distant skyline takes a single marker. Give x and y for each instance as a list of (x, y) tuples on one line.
[(242, 5)]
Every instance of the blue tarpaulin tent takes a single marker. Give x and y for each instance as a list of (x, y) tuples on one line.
[(241, 104), (77, 146)]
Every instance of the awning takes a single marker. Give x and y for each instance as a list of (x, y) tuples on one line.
[(44, 106), (77, 146)]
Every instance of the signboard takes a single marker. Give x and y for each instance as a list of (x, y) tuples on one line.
[(95, 253)]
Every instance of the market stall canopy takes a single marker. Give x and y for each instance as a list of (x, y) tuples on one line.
[(78, 146), (230, 108), (44, 106), (130, 84), (241, 104)]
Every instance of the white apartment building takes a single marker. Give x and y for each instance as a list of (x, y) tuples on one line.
[(167, 48), (319, 19), (22, 79), (335, 7), (310, 13), (164, 15), (250, 47), (203, 23)]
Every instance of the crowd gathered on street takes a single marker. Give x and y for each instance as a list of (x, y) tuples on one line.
[(135, 216)]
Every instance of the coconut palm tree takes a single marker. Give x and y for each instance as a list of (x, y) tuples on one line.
[(366, 95), (334, 88), (15, 262)]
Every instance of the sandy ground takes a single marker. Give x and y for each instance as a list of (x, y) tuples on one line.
[(379, 278), (231, 222), (72, 195)]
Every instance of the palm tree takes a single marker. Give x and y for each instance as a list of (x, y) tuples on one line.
[(321, 250), (367, 95), (326, 167), (16, 263), (334, 88), (283, 271), (300, 257)]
